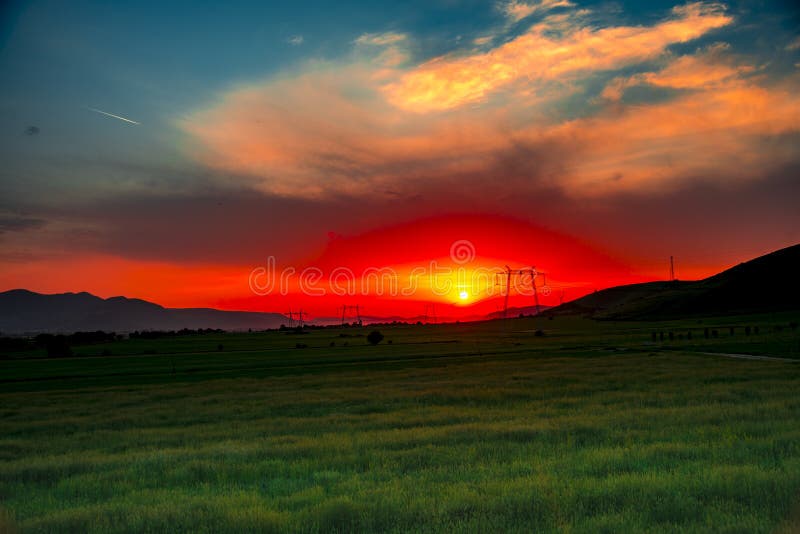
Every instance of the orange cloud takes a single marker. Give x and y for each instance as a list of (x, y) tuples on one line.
[(693, 72), (712, 131), (343, 130), (537, 55), (710, 135), (702, 71), (308, 136)]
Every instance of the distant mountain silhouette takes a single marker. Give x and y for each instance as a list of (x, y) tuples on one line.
[(766, 284), (23, 311)]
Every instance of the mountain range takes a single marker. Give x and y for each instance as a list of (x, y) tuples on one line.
[(23, 311)]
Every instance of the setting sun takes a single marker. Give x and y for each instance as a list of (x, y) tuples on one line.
[(463, 295)]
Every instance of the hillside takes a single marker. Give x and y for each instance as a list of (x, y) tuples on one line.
[(23, 311), (767, 283)]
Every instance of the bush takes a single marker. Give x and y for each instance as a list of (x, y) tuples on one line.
[(375, 337), (56, 346), (10, 344)]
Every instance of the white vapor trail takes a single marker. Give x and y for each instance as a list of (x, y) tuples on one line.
[(112, 115)]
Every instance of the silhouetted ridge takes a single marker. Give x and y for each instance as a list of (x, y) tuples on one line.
[(765, 284), (23, 311)]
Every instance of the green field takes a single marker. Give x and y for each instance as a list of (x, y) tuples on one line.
[(591, 427)]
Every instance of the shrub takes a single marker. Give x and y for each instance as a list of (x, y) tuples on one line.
[(375, 337), (57, 347)]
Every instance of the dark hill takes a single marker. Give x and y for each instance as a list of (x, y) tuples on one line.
[(766, 284), (23, 311)]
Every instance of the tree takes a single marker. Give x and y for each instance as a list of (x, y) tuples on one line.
[(375, 337), (57, 347)]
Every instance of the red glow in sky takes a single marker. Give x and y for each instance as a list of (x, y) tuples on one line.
[(391, 271)]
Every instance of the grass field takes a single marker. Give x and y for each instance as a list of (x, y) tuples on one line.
[(592, 427)]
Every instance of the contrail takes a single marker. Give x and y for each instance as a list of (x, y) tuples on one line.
[(112, 115)]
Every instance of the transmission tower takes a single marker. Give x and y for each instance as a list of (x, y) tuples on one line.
[(354, 308), (300, 314), (520, 274), (671, 269)]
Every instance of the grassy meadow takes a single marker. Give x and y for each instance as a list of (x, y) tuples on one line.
[(490, 427)]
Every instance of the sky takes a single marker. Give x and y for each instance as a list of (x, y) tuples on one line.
[(254, 155)]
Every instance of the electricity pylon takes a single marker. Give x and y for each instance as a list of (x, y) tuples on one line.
[(299, 314), (351, 309), (519, 273)]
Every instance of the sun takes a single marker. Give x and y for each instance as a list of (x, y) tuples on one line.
[(463, 295)]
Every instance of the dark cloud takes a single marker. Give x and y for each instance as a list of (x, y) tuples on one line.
[(223, 226), (703, 224), (18, 223)]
